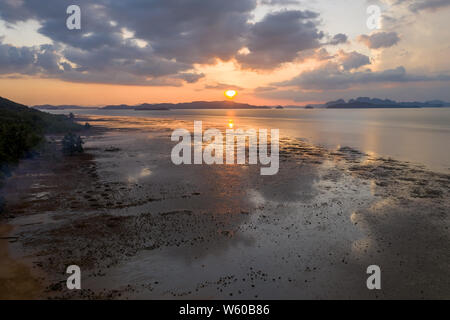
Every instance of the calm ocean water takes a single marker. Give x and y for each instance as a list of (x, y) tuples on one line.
[(420, 136)]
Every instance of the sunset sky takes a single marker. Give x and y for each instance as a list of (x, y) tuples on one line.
[(270, 51)]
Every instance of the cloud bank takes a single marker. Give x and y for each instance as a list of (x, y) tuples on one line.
[(157, 42), (380, 40)]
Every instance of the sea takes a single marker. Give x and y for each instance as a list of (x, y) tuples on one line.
[(418, 136)]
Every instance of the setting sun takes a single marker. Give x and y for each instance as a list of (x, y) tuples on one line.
[(230, 94)]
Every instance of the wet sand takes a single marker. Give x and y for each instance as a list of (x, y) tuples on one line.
[(16, 280), (141, 227)]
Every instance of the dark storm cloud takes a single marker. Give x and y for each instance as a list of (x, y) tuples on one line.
[(191, 77), (47, 59), (52, 17), (315, 54), (279, 37), (28, 60), (135, 66), (98, 66), (14, 59), (164, 39), (140, 61), (178, 34), (380, 40), (338, 39), (191, 31), (353, 60), (333, 77)]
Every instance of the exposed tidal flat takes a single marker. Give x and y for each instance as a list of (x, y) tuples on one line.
[(140, 227)]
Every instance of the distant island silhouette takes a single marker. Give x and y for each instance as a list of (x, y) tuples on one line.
[(358, 103), (165, 106), (375, 103)]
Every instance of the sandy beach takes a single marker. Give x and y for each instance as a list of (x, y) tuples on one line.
[(140, 227)]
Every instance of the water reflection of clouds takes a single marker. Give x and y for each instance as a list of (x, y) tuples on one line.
[(136, 177)]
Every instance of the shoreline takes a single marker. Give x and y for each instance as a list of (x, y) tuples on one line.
[(115, 221), (20, 279)]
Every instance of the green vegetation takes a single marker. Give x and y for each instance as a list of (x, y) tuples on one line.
[(22, 129)]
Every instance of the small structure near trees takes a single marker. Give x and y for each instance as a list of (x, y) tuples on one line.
[(72, 144)]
